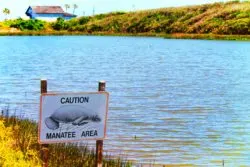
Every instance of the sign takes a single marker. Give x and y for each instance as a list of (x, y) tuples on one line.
[(72, 117)]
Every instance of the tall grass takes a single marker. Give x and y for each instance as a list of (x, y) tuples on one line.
[(24, 138)]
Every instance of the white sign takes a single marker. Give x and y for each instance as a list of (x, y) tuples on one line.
[(72, 117)]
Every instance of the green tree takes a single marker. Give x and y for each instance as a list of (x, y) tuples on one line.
[(75, 6), (67, 6), (6, 12)]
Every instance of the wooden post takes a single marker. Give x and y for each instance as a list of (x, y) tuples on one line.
[(99, 143), (45, 147)]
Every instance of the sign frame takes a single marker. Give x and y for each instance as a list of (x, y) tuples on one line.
[(69, 94)]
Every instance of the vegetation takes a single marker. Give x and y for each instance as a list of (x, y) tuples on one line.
[(23, 25), (60, 24), (218, 19), (19, 148), (14, 151)]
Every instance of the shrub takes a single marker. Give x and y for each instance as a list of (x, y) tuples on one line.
[(132, 27), (240, 26), (243, 15), (113, 26), (72, 22), (84, 20), (178, 27), (100, 16), (95, 27), (31, 24), (117, 13), (60, 24), (81, 28)]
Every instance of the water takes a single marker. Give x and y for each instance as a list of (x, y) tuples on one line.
[(172, 101)]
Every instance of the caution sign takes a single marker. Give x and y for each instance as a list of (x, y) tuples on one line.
[(72, 117)]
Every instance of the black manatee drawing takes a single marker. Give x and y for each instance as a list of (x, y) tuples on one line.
[(76, 115)]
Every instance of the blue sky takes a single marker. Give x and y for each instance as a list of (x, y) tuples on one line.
[(18, 7)]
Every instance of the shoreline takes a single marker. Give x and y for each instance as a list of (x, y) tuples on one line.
[(22, 140), (160, 35), (29, 128)]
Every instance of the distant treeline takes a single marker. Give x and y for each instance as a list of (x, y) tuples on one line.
[(218, 18)]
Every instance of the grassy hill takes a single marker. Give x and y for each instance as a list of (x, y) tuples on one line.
[(229, 18), (218, 18)]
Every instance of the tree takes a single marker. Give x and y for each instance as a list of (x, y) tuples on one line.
[(75, 7), (67, 6), (6, 12)]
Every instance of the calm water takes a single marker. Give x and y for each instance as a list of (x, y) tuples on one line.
[(186, 101)]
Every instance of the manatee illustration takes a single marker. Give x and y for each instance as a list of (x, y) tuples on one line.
[(76, 115)]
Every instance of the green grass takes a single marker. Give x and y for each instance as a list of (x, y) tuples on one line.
[(24, 138)]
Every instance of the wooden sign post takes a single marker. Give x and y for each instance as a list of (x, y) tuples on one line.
[(99, 143), (45, 147)]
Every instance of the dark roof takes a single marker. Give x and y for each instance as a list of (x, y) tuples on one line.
[(47, 9)]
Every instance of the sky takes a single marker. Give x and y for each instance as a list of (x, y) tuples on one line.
[(85, 7)]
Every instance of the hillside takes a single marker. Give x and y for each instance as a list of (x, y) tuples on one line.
[(230, 18), (217, 18)]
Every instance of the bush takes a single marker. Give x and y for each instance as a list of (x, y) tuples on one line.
[(132, 28), (118, 13), (72, 22), (178, 27), (100, 16), (95, 27), (240, 26), (84, 20), (21, 24), (81, 28), (60, 24), (113, 26)]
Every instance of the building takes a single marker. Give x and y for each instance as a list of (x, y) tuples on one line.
[(48, 13)]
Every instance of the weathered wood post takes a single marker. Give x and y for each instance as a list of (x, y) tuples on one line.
[(99, 143), (45, 147)]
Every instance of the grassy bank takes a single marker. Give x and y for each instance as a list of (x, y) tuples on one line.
[(208, 37), (224, 20), (19, 148), (162, 35)]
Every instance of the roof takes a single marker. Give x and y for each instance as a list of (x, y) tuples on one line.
[(47, 9)]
